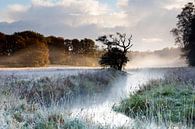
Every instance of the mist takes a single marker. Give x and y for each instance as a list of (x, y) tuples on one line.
[(168, 57)]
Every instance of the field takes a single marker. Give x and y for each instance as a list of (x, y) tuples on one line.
[(80, 98)]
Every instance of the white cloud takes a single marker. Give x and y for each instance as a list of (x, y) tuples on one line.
[(122, 4), (176, 4), (68, 18), (151, 40), (12, 12), (91, 18), (46, 3), (68, 12), (91, 7), (17, 8)]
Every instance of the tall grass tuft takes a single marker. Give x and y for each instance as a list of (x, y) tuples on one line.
[(167, 102)]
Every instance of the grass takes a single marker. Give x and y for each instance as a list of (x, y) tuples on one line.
[(166, 101), (19, 115), (41, 103), (61, 88)]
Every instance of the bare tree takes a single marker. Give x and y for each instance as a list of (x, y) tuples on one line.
[(117, 46)]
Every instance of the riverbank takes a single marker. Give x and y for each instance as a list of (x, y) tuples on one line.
[(169, 102), (91, 112), (45, 101)]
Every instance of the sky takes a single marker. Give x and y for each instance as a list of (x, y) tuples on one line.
[(149, 21)]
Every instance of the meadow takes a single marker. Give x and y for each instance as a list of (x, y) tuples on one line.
[(75, 98)]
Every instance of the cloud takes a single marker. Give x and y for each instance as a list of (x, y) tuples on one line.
[(152, 20), (13, 12), (68, 18), (122, 4), (68, 12), (151, 40), (17, 8), (146, 20), (176, 4)]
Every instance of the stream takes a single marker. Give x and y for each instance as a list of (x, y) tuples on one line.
[(102, 113), (98, 112)]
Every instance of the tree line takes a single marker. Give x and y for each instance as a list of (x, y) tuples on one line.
[(35, 49), (20, 40), (117, 46)]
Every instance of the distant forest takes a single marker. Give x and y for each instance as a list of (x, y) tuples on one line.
[(31, 49)]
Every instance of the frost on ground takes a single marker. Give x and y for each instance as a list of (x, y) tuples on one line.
[(169, 102), (71, 98), (45, 101)]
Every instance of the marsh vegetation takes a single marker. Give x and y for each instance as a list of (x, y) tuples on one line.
[(91, 99)]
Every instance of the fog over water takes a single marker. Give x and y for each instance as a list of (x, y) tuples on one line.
[(103, 113), (97, 109)]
